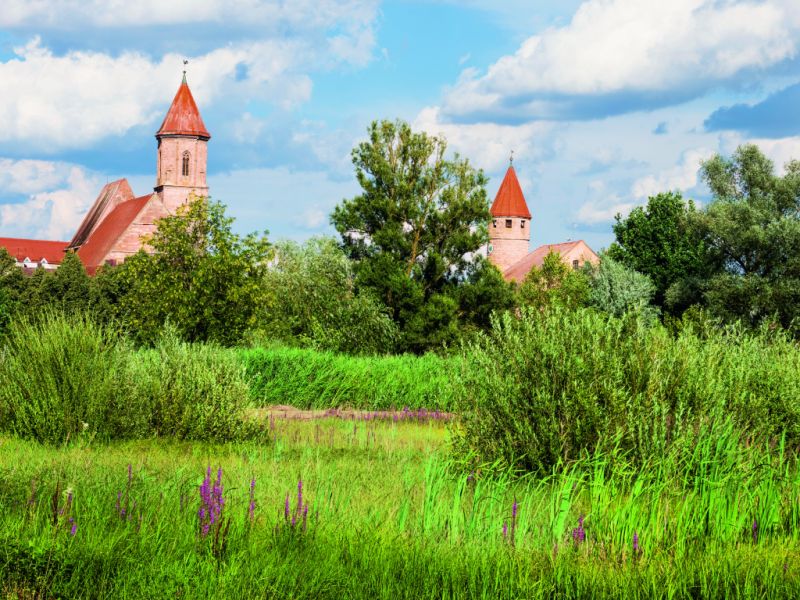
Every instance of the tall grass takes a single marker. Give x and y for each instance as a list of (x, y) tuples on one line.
[(313, 379), (67, 378), (388, 519), (549, 386)]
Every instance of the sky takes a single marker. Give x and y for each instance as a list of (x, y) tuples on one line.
[(603, 102)]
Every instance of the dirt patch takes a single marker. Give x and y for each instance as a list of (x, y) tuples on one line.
[(283, 411)]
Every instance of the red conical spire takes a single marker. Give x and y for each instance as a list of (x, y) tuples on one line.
[(509, 201), (183, 118)]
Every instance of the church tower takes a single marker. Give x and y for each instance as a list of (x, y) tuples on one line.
[(182, 151), (509, 231)]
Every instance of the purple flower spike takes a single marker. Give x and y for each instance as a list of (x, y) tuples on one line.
[(74, 529), (635, 543), (299, 493), (130, 473), (755, 531), (286, 508), (505, 530)]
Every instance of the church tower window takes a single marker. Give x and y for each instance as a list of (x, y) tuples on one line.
[(185, 167)]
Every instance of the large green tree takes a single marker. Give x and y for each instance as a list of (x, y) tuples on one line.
[(414, 229), (657, 240), (555, 284), (752, 231), (201, 278)]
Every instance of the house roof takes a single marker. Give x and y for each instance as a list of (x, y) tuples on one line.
[(112, 193), (183, 117), (510, 202), (522, 267), (108, 232), (36, 250)]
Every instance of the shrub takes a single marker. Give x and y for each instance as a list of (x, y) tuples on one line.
[(61, 377), (190, 391), (549, 386)]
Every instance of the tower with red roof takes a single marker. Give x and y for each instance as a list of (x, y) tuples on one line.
[(510, 236), (509, 231)]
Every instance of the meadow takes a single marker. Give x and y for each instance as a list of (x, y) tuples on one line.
[(388, 516), (661, 466)]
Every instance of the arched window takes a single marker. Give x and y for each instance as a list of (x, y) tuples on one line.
[(185, 168)]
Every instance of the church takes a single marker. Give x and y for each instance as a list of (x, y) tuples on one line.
[(113, 228)]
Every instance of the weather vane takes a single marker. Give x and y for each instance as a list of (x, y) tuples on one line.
[(511, 159), (185, 62)]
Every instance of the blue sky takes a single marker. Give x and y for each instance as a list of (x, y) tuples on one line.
[(604, 102)]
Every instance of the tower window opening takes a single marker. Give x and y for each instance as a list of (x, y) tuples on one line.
[(185, 167), (575, 264), (494, 223), (508, 223), (522, 223)]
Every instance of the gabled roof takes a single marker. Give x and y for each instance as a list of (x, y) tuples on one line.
[(110, 196), (522, 267), (510, 201), (36, 250), (183, 118), (108, 232)]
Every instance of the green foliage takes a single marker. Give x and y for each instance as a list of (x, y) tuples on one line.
[(658, 241), (370, 484), (617, 290), (752, 230), (190, 391), (412, 230), (547, 387), (312, 379), (59, 379), (311, 301), (554, 284), (201, 278), (66, 378)]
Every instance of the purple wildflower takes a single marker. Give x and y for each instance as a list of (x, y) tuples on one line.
[(286, 508), (755, 531), (130, 474), (635, 544), (212, 502), (514, 521), (505, 530), (74, 529), (579, 533)]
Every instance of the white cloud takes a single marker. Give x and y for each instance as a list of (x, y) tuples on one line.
[(53, 214), (780, 151), (489, 145), (31, 176), (602, 206), (61, 101), (682, 177), (298, 14), (644, 49)]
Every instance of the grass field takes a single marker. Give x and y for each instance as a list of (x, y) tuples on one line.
[(388, 517)]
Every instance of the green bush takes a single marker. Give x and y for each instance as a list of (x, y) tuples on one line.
[(314, 379), (549, 386), (190, 391), (60, 378), (64, 377)]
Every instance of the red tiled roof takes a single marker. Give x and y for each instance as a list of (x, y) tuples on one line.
[(509, 201), (36, 250), (183, 118), (522, 267), (112, 193), (114, 225)]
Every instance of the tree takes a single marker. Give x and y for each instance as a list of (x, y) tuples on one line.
[(658, 241), (617, 290), (69, 288), (12, 286), (555, 283), (413, 230), (752, 231), (203, 279), (312, 301)]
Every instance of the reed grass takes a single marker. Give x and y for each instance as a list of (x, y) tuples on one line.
[(390, 517)]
